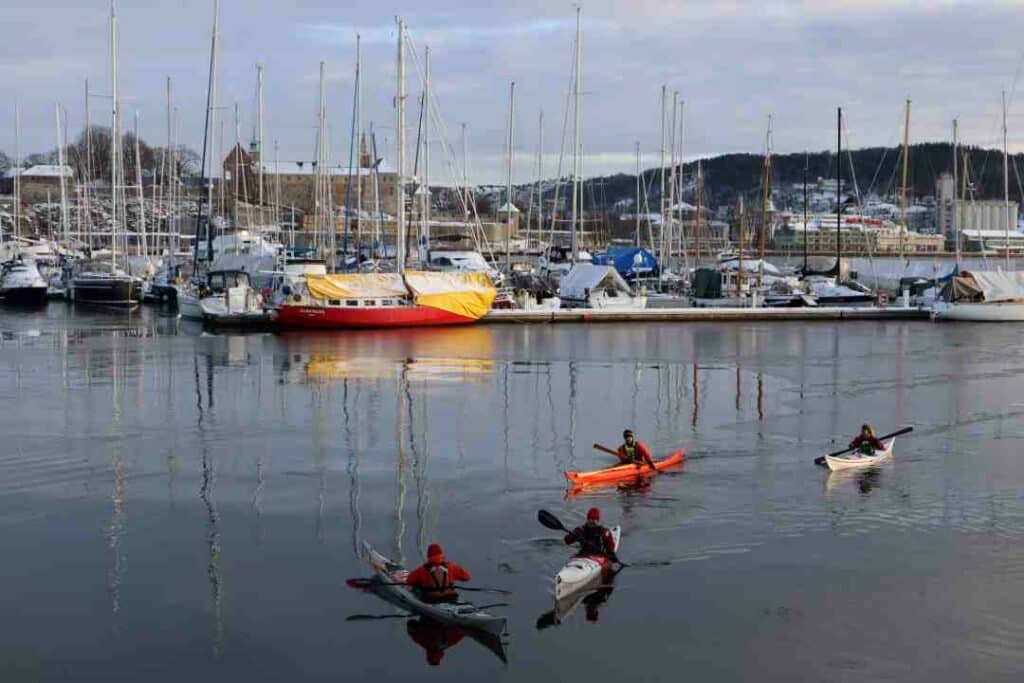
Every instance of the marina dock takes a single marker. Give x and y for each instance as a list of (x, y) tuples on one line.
[(583, 315)]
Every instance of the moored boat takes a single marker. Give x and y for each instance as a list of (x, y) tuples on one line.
[(374, 300), (982, 296)]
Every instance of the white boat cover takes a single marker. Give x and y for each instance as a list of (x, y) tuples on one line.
[(587, 276), (749, 266), (998, 285)]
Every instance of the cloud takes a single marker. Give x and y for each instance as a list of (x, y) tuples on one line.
[(733, 61)]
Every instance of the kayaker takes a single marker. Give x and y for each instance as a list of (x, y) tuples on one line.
[(435, 580), (866, 442), (592, 537), (633, 451)]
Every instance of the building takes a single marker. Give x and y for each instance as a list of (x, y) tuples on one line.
[(984, 218), (295, 181), (39, 182)]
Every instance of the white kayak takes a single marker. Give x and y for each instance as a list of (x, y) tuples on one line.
[(851, 460), (584, 572)]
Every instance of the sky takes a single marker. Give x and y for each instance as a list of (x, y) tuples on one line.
[(733, 62)]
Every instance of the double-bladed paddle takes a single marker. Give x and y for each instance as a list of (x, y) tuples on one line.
[(373, 583), (820, 460), (555, 524), (377, 617)]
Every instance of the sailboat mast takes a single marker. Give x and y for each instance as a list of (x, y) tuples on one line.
[(739, 252), (17, 175), (212, 103), (672, 199), (661, 233), (115, 137), (903, 189), (839, 183), (138, 185), (806, 163), (766, 194), (207, 178), (1006, 187), (88, 170), (400, 152), (508, 176), (63, 184), (167, 193), (540, 178), (576, 141), (637, 211), (359, 154), (426, 151), (259, 138), (956, 164)]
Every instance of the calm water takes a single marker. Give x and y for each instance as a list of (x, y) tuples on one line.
[(180, 506)]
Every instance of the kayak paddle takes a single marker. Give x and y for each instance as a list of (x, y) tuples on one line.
[(377, 617), (373, 583), (551, 522), (820, 460)]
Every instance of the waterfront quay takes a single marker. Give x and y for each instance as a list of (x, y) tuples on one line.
[(582, 315)]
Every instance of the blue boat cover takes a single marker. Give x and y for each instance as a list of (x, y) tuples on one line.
[(630, 262)]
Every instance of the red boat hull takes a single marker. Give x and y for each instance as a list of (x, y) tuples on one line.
[(336, 317)]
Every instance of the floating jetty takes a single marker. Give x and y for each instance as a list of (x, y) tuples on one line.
[(584, 315)]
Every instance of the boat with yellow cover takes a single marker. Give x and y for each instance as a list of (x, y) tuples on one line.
[(365, 300)]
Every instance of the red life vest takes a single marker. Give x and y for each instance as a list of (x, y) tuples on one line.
[(443, 587)]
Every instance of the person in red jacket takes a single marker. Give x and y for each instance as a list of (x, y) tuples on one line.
[(633, 451), (435, 580), (866, 442), (592, 537)]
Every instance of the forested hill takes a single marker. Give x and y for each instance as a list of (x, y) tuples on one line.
[(878, 170)]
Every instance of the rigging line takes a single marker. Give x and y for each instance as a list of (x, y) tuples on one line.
[(885, 152), (441, 128)]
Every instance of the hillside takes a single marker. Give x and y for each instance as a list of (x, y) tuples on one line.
[(877, 170)]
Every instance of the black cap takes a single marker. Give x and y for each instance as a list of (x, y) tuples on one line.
[(628, 432)]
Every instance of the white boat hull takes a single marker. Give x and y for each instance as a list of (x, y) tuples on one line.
[(855, 460), (581, 573), (979, 312)]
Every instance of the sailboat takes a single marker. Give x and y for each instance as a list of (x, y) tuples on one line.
[(587, 285), (102, 281), (401, 299), (20, 281), (985, 296)]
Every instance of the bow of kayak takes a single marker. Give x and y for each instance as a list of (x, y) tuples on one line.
[(584, 572), (617, 473)]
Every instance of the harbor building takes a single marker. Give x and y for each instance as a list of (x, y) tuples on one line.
[(979, 221)]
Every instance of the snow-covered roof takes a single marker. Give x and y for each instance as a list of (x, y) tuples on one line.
[(42, 171)]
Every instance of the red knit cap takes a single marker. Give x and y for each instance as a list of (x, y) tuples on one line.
[(434, 552), (593, 514)]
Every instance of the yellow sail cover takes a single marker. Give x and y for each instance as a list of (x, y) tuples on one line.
[(356, 286), (466, 294)]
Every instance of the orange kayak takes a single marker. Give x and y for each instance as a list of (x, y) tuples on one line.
[(610, 475)]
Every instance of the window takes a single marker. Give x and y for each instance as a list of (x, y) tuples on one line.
[(352, 302), (334, 302)]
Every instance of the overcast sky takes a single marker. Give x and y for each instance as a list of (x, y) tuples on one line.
[(734, 63)]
